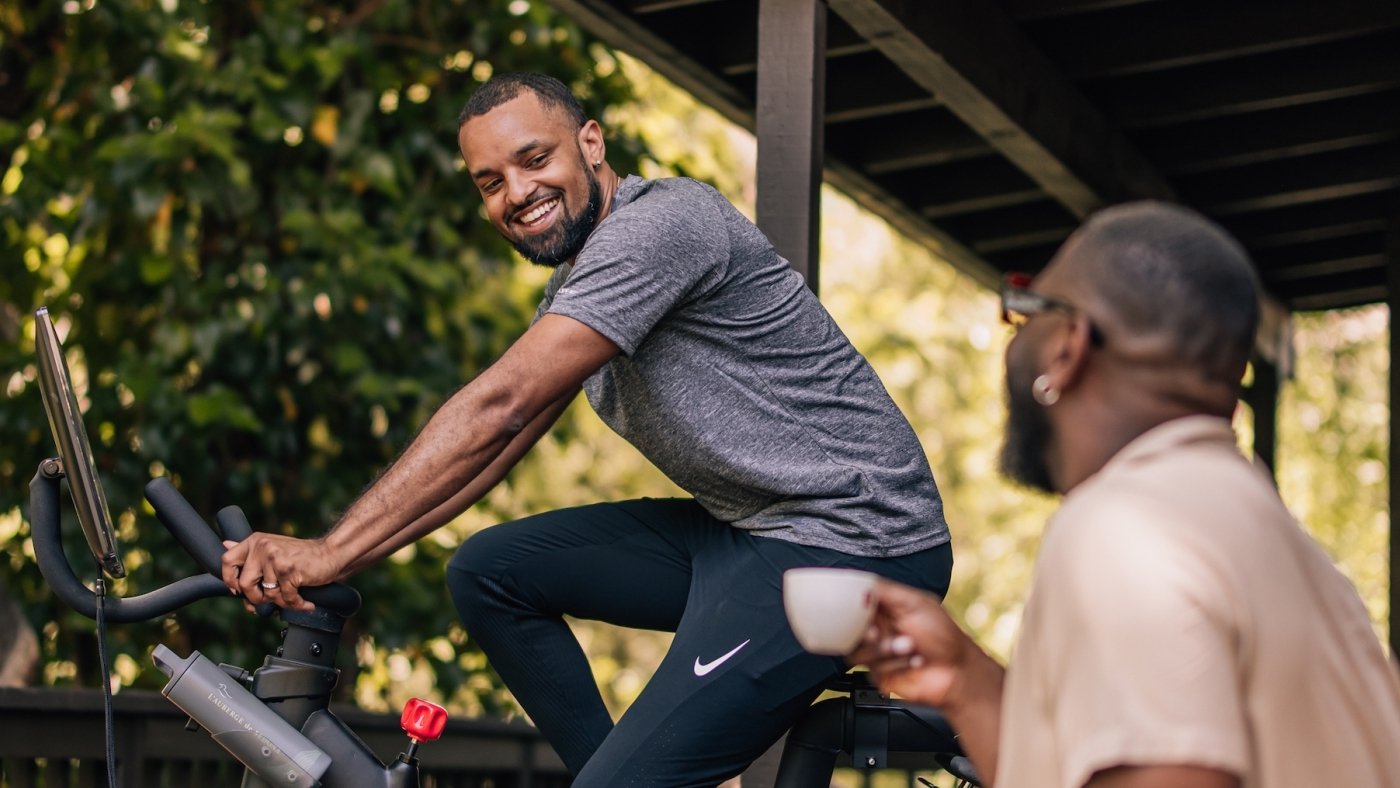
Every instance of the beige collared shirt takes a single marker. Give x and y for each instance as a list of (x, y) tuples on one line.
[(1179, 615)]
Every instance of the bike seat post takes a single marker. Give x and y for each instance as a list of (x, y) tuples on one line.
[(870, 729)]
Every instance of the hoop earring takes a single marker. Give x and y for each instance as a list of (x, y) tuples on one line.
[(1043, 394)]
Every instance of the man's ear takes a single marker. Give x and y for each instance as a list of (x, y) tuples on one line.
[(590, 141), (1066, 354)]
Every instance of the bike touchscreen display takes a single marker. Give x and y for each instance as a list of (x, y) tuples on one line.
[(61, 404)]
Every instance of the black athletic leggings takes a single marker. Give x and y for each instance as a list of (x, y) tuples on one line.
[(734, 678)]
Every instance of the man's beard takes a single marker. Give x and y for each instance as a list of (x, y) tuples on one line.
[(564, 240), (1027, 437)]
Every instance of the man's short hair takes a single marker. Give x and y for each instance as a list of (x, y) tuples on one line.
[(1167, 271), (504, 87)]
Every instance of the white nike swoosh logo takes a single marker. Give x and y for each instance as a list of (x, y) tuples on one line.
[(703, 668)]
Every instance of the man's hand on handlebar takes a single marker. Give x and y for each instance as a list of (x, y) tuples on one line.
[(272, 568)]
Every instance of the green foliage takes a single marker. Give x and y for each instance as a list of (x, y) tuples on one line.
[(1334, 443), (250, 224)]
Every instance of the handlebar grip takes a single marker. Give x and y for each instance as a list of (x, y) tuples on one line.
[(335, 597), (233, 524), (189, 529)]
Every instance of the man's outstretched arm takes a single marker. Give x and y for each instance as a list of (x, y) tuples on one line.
[(484, 421), (475, 490)]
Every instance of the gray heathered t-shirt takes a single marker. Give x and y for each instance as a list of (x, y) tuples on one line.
[(735, 381)]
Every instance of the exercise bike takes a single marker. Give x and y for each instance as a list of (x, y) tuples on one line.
[(276, 720)]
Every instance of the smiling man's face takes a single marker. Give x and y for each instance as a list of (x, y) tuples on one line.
[(540, 193)]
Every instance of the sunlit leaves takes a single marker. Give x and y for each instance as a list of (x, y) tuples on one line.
[(1334, 433)]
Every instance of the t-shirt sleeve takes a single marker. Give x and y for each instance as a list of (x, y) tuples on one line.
[(551, 288), (660, 251), (1142, 666)]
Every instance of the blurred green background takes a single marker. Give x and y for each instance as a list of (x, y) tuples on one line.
[(250, 223)]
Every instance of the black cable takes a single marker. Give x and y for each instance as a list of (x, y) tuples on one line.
[(107, 724)]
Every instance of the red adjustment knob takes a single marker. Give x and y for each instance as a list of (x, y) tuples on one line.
[(423, 720)]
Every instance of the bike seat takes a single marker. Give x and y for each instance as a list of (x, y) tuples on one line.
[(853, 681)]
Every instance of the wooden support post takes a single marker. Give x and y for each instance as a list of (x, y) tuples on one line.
[(791, 105), (1262, 398), (790, 122)]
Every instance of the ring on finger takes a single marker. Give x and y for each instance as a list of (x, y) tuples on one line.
[(266, 586)]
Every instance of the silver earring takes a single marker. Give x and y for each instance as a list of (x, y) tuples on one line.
[(597, 164), (1041, 391)]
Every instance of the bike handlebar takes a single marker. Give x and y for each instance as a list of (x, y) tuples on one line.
[(185, 524), (200, 541), (188, 528)]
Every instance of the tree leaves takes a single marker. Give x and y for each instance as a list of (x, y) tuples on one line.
[(249, 223)]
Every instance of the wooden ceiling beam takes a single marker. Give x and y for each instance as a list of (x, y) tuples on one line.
[(980, 65), (711, 38), (963, 187), (1261, 199), (1307, 253), (1262, 227), (739, 56), (1022, 239), (1304, 235), (1287, 132), (1030, 259), (1326, 267), (743, 66), (1031, 10), (982, 200), (871, 87), (1030, 223), (658, 6), (621, 31), (1188, 32), (1355, 171), (1364, 285), (1342, 299), (1253, 84), (874, 107), (924, 138)]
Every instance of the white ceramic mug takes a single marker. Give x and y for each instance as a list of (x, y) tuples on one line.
[(828, 608)]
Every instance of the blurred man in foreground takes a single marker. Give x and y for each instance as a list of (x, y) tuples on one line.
[(1181, 630)]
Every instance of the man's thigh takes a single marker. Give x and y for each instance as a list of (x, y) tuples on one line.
[(626, 563), (732, 682)]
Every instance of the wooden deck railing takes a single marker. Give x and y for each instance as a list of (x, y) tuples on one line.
[(53, 738)]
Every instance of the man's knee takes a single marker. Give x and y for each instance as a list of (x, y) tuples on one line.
[(474, 576)]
